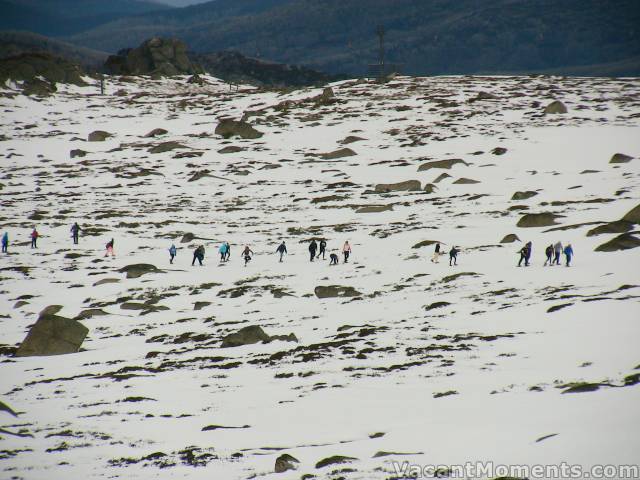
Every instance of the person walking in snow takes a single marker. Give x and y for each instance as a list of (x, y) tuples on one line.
[(323, 248), (334, 259), (436, 253), (223, 251), (198, 254), (173, 251), (34, 238), (549, 253), (109, 247), (313, 248), (5, 242), (558, 251), (525, 254), (246, 254), (282, 249), (75, 232), (453, 255), (346, 251), (228, 251), (568, 253)]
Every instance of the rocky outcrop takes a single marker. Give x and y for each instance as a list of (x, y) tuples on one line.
[(633, 215), (619, 226), (544, 219), (228, 128), (53, 335), (332, 291), (465, 181), (253, 334), (158, 56), (441, 164), (406, 186), (336, 154), (40, 71), (165, 147), (138, 269), (626, 241), (235, 67)]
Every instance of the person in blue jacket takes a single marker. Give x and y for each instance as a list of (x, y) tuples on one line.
[(172, 253), (568, 253), (5, 242), (223, 251)]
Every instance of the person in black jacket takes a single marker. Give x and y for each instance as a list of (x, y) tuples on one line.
[(323, 248), (313, 248), (282, 249), (453, 255), (198, 254), (549, 253)]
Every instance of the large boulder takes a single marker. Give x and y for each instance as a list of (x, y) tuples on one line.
[(138, 269), (165, 147), (510, 238), (332, 291), (523, 195), (555, 107), (157, 56), (285, 462), (406, 186), (625, 241), (53, 335), (230, 128), (38, 88), (633, 215), (98, 136), (544, 219), (620, 158)]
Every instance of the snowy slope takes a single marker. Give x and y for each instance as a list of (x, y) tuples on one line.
[(134, 403)]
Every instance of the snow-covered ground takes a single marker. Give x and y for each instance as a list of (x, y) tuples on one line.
[(385, 376)]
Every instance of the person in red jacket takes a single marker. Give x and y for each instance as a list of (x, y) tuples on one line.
[(34, 238)]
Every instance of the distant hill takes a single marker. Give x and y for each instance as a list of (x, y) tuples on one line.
[(425, 36), (17, 43), (67, 17)]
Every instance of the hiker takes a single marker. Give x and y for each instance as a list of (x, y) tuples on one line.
[(323, 248), (246, 254), (282, 249), (313, 247), (346, 251), (549, 253), (75, 232), (334, 259), (5, 242), (223, 251), (436, 253), (558, 251), (172, 253), (228, 251), (109, 249), (568, 253), (198, 254), (34, 238), (453, 255), (525, 254)]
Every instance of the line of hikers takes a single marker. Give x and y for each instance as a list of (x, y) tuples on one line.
[(552, 253), (34, 235), (316, 249)]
